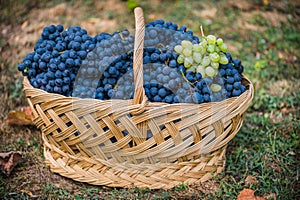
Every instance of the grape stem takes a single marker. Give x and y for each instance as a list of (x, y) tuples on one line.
[(121, 36), (183, 76), (201, 29), (160, 44)]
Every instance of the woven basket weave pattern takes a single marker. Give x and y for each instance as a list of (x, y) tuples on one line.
[(84, 138)]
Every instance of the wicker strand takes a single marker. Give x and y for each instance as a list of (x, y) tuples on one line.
[(139, 92)]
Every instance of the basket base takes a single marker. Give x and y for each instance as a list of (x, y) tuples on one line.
[(152, 176)]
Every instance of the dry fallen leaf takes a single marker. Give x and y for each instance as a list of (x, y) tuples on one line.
[(248, 194), (9, 160), (251, 179), (26, 192), (20, 117)]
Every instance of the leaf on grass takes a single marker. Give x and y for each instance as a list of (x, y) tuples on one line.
[(26, 192), (248, 194), (251, 180), (9, 160), (20, 117)]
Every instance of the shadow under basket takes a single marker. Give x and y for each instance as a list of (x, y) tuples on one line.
[(136, 143)]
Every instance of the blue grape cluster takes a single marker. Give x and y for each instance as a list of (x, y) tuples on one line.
[(103, 68), (164, 78), (72, 63), (107, 71), (57, 56), (161, 34), (231, 74)]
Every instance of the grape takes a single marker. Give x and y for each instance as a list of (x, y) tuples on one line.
[(196, 48), (214, 65), (223, 59), (230, 80), (188, 61), (219, 41), (237, 85), (236, 92), (154, 57), (210, 71), (202, 49), (166, 70), (228, 87), (206, 98), (178, 48), (205, 90), (186, 44), (162, 92), (237, 77), (205, 61), (197, 97), (172, 63), (187, 52), (180, 59), (197, 57), (21, 67), (169, 99), (204, 43), (193, 68), (214, 57), (154, 91), (198, 76), (243, 88), (215, 87), (201, 70), (157, 98), (152, 33), (211, 48), (236, 62), (228, 72), (211, 39), (223, 47), (190, 76)]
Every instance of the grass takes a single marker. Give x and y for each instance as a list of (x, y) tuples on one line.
[(267, 146), (267, 152)]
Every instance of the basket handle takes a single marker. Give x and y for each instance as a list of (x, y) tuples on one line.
[(139, 92)]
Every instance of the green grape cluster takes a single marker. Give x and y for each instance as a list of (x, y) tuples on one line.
[(204, 57)]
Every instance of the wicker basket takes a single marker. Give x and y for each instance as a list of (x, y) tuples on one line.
[(188, 143)]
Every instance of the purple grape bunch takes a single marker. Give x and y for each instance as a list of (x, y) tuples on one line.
[(72, 63)]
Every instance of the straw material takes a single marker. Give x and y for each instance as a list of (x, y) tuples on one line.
[(85, 140)]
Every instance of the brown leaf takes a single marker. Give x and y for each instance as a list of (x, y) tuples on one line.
[(248, 194), (26, 192), (9, 160), (20, 117), (251, 179)]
